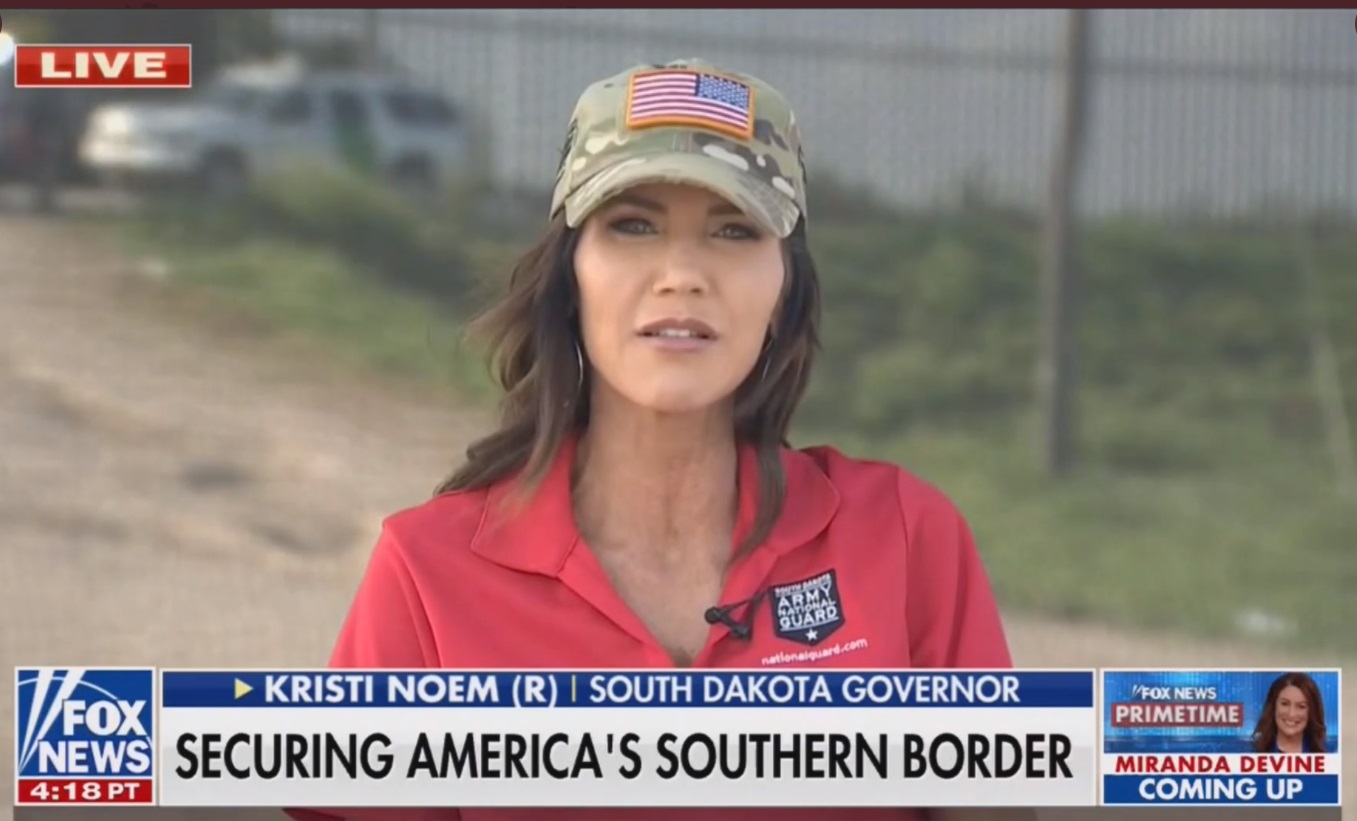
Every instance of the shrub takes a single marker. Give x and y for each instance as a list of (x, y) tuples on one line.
[(931, 317)]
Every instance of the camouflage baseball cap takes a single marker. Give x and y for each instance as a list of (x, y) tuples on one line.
[(685, 122)]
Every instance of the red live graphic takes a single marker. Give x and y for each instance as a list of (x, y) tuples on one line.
[(102, 66)]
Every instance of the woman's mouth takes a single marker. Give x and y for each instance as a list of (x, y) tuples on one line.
[(676, 334)]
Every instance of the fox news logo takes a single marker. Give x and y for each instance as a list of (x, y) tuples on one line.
[(1150, 692), (84, 723)]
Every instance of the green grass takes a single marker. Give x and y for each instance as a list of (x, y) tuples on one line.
[(319, 293), (1221, 553), (1204, 502)]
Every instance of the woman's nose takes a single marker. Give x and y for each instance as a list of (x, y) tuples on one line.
[(682, 270)]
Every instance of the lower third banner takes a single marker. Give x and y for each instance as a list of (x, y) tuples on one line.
[(627, 739)]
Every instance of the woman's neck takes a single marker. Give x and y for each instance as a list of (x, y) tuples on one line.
[(653, 487), (1291, 744)]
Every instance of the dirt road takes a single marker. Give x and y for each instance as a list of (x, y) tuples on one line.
[(175, 490)]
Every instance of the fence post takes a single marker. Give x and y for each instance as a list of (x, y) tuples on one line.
[(1058, 291), (371, 40), (1325, 369)]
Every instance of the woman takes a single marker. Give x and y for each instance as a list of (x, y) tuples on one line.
[(1293, 717), (637, 506)]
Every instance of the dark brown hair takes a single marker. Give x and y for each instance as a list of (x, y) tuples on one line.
[(532, 333), (1265, 732)]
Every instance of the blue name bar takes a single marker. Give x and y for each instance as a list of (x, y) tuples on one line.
[(613, 688), (1202, 790)]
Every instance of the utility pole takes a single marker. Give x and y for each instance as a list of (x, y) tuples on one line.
[(1056, 384)]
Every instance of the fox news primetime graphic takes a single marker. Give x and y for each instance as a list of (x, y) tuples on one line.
[(84, 737), (38, 65), (627, 739), (1221, 737)]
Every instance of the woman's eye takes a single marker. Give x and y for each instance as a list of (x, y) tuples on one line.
[(638, 225), (736, 231), (631, 225)]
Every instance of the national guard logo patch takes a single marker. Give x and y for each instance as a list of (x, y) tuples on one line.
[(809, 611)]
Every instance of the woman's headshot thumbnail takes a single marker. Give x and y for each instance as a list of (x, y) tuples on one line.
[(1292, 720)]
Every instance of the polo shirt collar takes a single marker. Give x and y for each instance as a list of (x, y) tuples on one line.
[(538, 534)]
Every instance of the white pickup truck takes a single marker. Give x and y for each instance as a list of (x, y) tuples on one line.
[(257, 119)]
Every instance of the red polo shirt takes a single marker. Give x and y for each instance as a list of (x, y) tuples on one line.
[(453, 585)]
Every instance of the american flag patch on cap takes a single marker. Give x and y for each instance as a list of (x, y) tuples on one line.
[(691, 98)]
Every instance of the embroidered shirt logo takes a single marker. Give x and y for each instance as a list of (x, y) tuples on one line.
[(808, 611)]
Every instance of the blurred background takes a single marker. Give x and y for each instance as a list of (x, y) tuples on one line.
[(1092, 273)]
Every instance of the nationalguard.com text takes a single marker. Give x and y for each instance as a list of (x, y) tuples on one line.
[(243, 756)]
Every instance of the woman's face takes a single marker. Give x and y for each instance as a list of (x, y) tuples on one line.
[(1293, 712), (678, 290)]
